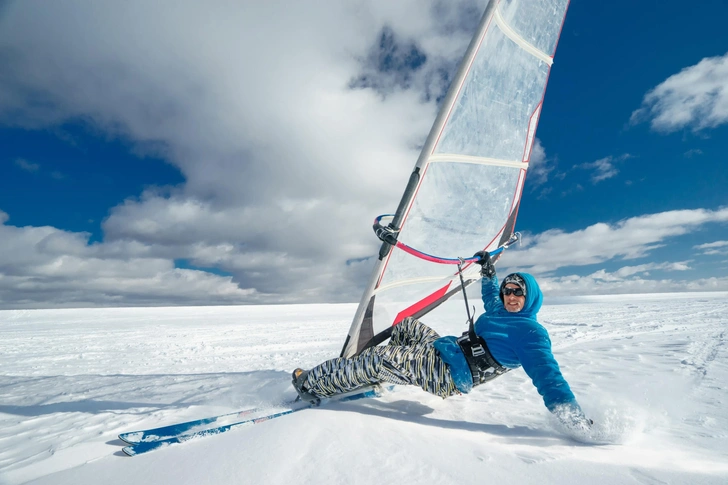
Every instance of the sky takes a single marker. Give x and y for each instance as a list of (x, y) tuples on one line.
[(237, 151)]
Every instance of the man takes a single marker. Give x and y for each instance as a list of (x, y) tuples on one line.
[(505, 337)]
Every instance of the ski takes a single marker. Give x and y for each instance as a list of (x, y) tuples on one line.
[(172, 430), (166, 440)]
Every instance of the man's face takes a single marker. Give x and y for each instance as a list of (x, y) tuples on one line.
[(512, 302)]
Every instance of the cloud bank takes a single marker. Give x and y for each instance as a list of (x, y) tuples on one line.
[(293, 123), (48, 267), (629, 239)]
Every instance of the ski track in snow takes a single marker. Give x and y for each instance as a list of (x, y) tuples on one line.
[(650, 369)]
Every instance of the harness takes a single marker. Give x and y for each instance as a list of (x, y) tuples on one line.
[(483, 365)]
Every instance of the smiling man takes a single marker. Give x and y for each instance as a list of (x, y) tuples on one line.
[(505, 337), (513, 293)]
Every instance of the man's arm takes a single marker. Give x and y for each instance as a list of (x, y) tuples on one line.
[(489, 288), (489, 291), (539, 363)]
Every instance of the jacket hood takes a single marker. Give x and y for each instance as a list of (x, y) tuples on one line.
[(534, 297)]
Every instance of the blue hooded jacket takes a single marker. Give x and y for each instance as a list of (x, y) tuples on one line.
[(515, 340)]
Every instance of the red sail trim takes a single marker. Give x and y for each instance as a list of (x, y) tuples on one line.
[(427, 301)]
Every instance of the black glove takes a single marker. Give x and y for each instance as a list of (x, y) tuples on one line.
[(487, 269)]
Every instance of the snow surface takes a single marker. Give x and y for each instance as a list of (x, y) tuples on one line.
[(651, 370)]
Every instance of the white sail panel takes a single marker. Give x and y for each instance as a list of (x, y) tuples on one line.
[(538, 22), (491, 116), (466, 187), (441, 223)]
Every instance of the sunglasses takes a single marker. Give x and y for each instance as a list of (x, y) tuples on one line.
[(513, 291)]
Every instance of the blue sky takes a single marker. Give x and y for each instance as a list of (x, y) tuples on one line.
[(142, 165), (607, 61)]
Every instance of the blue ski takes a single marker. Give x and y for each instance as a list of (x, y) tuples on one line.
[(165, 432), (139, 448)]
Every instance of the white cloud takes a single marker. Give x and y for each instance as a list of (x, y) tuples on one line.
[(604, 168), (628, 279), (26, 165), (695, 98), (47, 267), (36, 169), (693, 152), (645, 269), (603, 284), (628, 239), (715, 244), (539, 165), (717, 247)]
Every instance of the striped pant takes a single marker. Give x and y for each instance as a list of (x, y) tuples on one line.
[(408, 358)]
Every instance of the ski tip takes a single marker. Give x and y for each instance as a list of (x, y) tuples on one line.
[(131, 438)]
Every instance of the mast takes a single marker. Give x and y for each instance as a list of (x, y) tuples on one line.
[(414, 180)]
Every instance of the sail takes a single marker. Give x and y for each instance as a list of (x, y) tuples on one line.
[(464, 192)]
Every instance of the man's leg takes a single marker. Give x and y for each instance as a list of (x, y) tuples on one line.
[(412, 332), (418, 365)]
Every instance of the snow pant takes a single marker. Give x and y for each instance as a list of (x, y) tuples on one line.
[(408, 358)]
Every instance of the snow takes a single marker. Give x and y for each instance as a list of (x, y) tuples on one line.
[(651, 370)]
